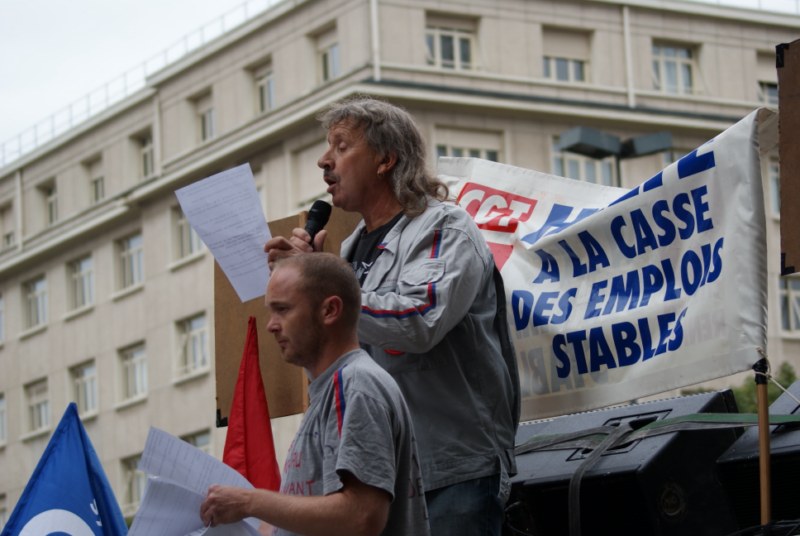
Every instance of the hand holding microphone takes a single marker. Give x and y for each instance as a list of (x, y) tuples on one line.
[(318, 216), (303, 240)]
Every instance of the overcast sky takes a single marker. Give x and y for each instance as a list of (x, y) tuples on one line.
[(54, 52)]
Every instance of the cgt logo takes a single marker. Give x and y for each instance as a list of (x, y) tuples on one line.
[(498, 211), (495, 210)]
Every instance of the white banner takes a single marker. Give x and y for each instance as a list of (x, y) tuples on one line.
[(616, 294)]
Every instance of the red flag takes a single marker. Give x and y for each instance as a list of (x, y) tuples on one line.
[(249, 447)]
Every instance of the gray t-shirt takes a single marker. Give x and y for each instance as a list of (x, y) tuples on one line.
[(358, 422)]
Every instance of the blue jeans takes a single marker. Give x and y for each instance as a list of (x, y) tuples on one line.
[(471, 508)]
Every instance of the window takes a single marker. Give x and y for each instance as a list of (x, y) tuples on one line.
[(133, 367), (450, 44), (673, 69), (131, 261), (3, 511), (774, 178), (328, 54), (449, 150), (2, 320), (36, 400), (98, 191), (768, 93), (767, 78), (35, 296), (81, 282), (185, 240), (3, 423), (204, 108), (583, 168), (192, 345), (49, 196), (6, 226), (471, 143), (84, 387), (564, 69), (201, 440), (146, 156), (94, 170), (265, 88), (134, 482), (566, 55), (790, 304)]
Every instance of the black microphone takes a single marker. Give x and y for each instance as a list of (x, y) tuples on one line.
[(317, 218)]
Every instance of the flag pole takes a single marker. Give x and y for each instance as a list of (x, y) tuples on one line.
[(761, 369)]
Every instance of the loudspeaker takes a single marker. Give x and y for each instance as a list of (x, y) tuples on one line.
[(739, 472), (661, 485)]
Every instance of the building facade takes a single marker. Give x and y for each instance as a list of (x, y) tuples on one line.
[(106, 295)]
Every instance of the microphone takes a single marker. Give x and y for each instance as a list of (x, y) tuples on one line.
[(317, 218)]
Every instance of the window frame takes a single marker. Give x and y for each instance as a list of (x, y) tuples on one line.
[(133, 376), (448, 149), (37, 406), (49, 196), (436, 34), (81, 282), (193, 348), (789, 299), (7, 231), (34, 292), (146, 156), (134, 482), (186, 242), (130, 260), (774, 186), (3, 422), (85, 391), (264, 80), (329, 59), (95, 179), (662, 64), (550, 69), (4, 515), (768, 93), (206, 117), (561, 162)]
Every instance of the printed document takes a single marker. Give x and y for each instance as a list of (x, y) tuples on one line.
[(225, 211), (178, 477)]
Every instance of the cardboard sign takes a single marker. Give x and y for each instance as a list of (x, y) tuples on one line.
[(286, 385)]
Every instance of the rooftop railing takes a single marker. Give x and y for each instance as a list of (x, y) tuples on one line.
[(127, 83), (775, 6), (135, 79)]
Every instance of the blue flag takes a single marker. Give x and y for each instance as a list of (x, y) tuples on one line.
[(68, 492)]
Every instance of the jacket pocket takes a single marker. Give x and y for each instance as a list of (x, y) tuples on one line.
[(423, 272)]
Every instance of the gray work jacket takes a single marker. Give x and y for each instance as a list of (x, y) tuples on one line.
[(430, 317)]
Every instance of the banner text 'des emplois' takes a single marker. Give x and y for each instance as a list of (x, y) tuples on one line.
[(616, 294)]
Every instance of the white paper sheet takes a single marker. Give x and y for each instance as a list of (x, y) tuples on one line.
[(225, 211), (178, 478)]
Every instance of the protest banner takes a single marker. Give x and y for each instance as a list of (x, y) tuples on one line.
[(617, 294)]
